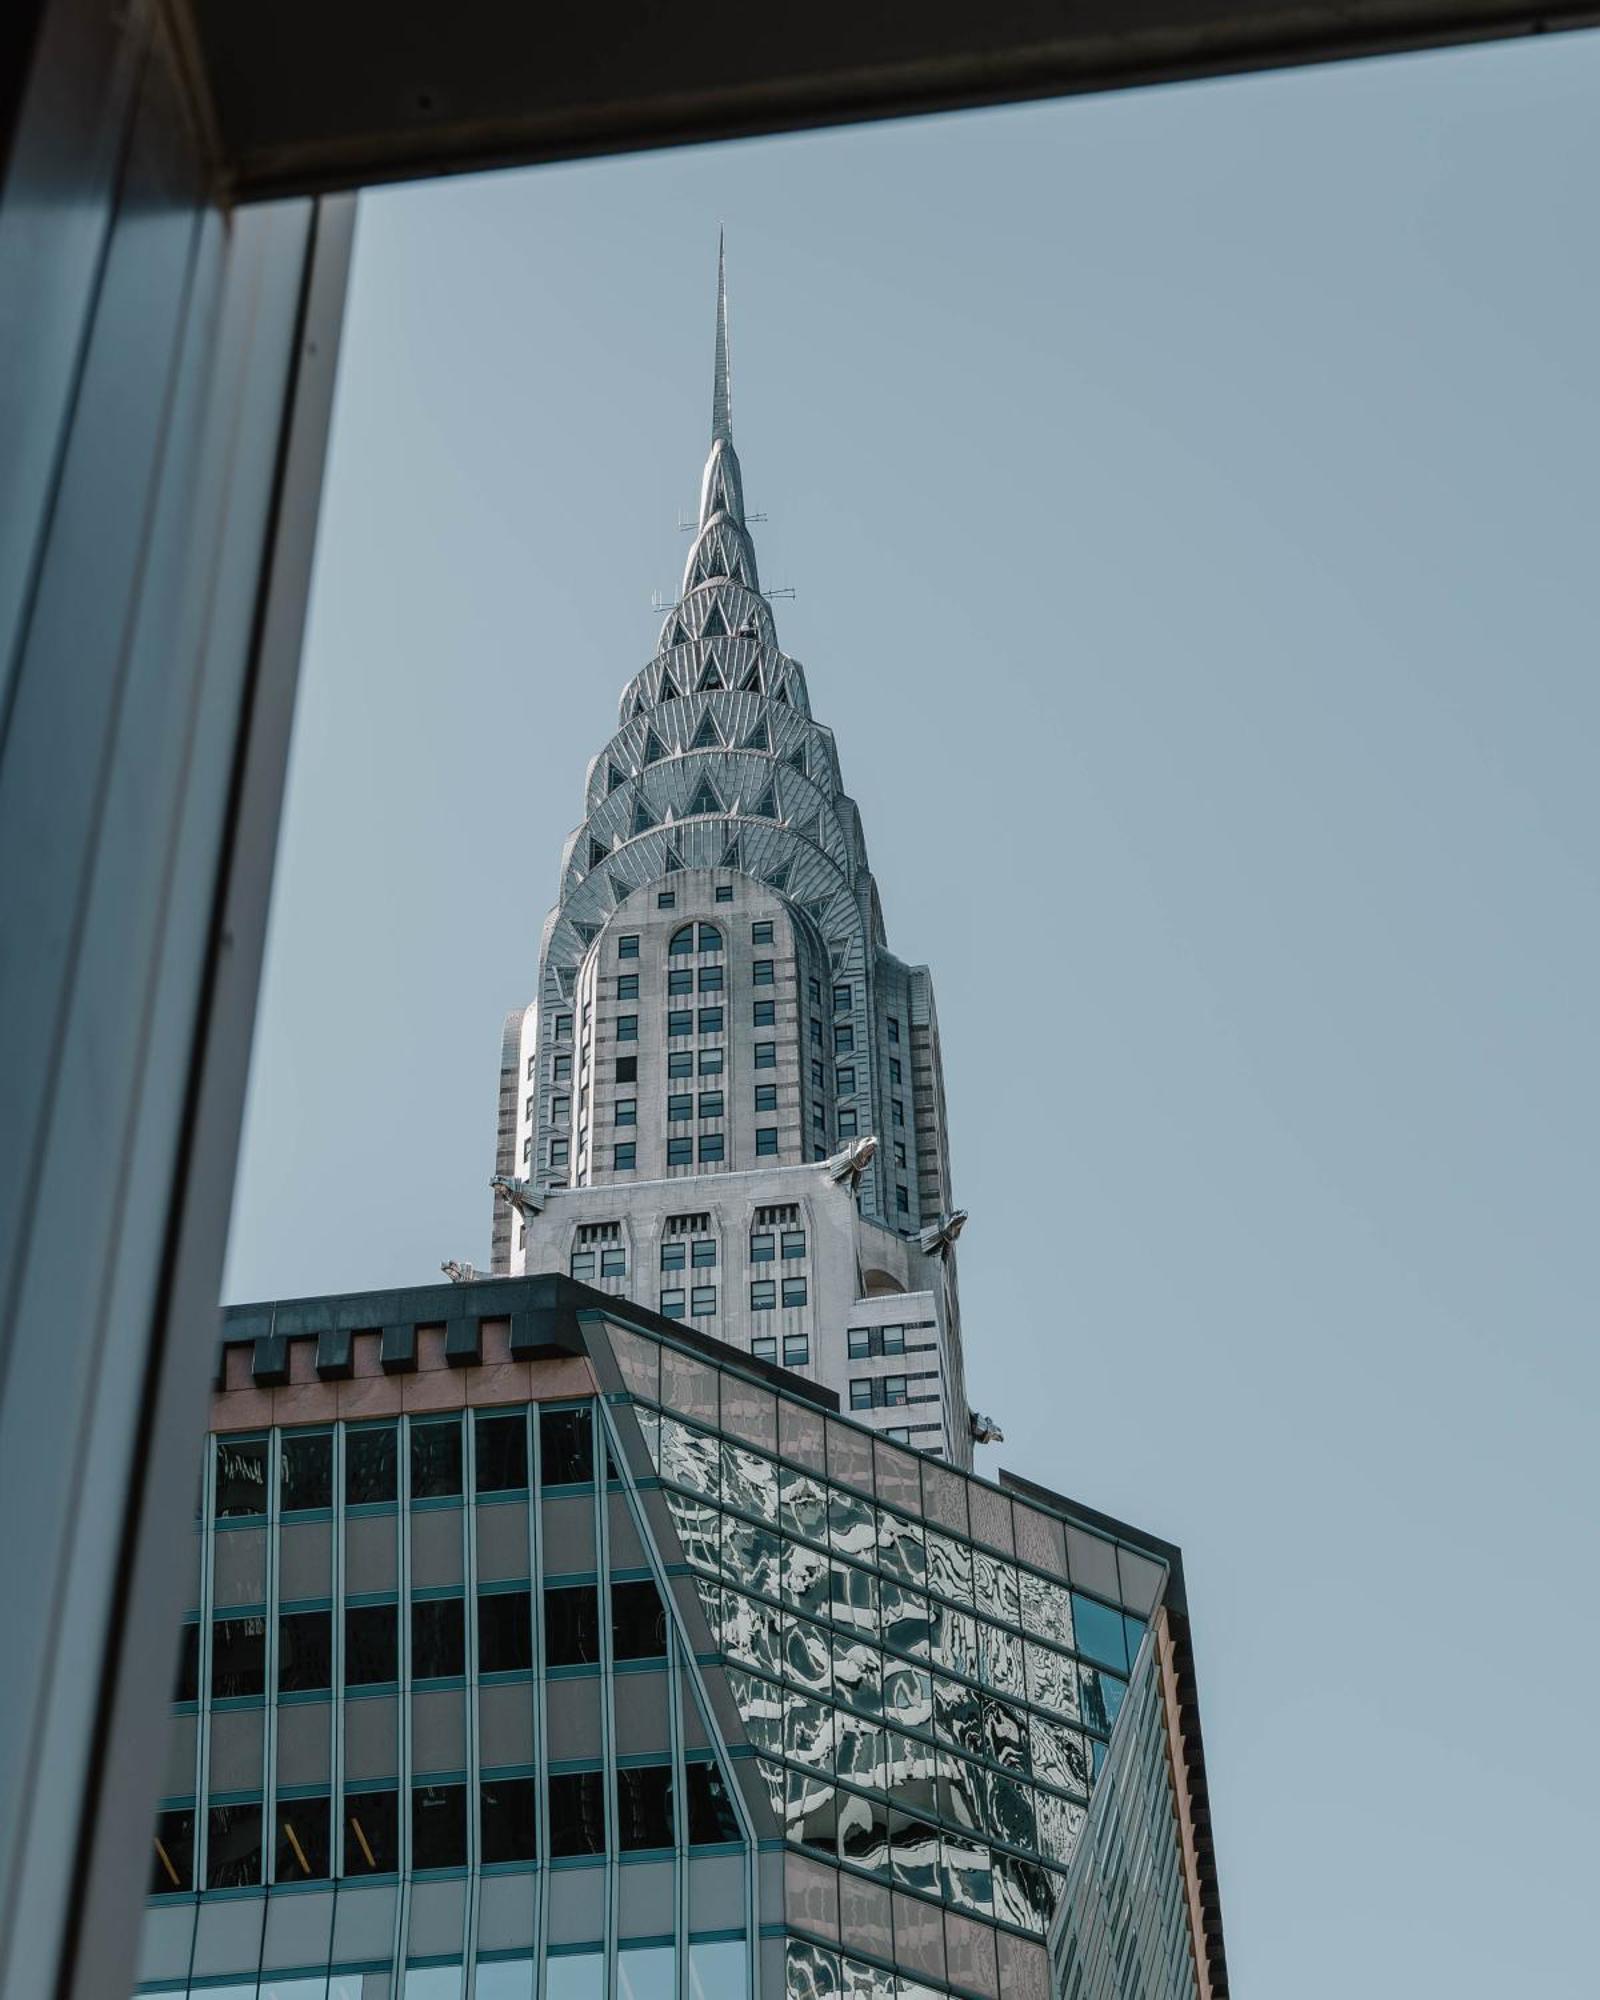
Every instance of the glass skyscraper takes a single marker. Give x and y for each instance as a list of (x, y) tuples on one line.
[(629, 1625)]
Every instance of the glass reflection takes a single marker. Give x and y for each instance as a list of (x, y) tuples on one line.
[(749, 1482), (907, 1695), (1102, 1698), (812, 1812), (912, 1771), (1005, 1734), (752, 1632), (953, 1640), (963, 1795), (858, 1673), (853, 1595), (995, 1583), (1000, 1655), (913, 1853), (808, 1733), (1046, 1609), (710, 1595), (852, 1528), (958, 1716), (1024, 1893), (1010, 1815), (1052, 1680), (860, 1751), (805, 1579), (905, 1618), (968, 1878), (1060, 1756), (761, 1706), (867, 1982), (750, 1555), (864, 1832), (900, 1548), (812, 1973), (949, 1568), (806, 1657), (804, 1506), (689, 1457), (649, 1422), (696, 1522), (1060, 1824)]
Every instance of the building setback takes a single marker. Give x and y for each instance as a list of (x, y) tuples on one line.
[(725, 1061), (543, 1649)]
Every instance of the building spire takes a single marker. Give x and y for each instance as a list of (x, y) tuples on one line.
[(722, 387)]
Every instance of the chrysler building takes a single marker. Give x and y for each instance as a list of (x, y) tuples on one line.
[(726, 1101)]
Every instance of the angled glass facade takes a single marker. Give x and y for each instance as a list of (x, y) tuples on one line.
[(550, 1650)]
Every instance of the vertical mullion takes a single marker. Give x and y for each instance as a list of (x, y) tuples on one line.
[(541, 1739), (469, 1615), (608, 1747), (336, 1673), (269, 1728), (402, 1619), (208, 1602), (680, 1813)]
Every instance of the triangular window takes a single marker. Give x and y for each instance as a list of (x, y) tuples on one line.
[(782, 694), (731, 857), (711, 678), (643, 818), (669, 690), (588, 932), (706, 737), (766, 807), (565, 976), (673, 860), (797, 760), (679, 636), (811, 829), (779, 878), (619, 890), (614, 777), (705, 800), (638, 704), (597, 853), (758, 739), (751, 684), (654, 748), (716, 626)]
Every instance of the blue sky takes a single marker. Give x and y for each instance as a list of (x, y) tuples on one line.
[(1191, 502)]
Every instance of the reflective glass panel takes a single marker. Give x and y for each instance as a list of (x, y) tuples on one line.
[(1060, 1756), (1060, 1823), (860, 1751), (761, 1708), (853, 1595), (958, 1715), (857, 1673), (752, 1632), (1000, 1655), (750, 1555), (968, 1880), (578, 1975), (864, 1832), (1024, 1893), (805, 1579), (907, 1696), (953, 1642), (1005, 1734), (904, 1616), (805, 1506), (813, 1974), (950, 1568), (912, 1771), (852, 1528), (1052, 1680), (913, 1853), (689, 1457), (1046, 1609), (963, 1794), (1101, 1636), (697, 1523), (647, 1972), (504, 1979), (805, 1656), (900, 1548), (995, 1584), (718, 1970), (808, 1734), (1102, 1698), (749, 1482), (1010, 1812)]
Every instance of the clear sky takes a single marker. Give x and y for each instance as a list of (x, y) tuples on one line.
[(1192, 505)]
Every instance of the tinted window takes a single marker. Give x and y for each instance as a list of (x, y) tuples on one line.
[(187, 1687), (369, 1465), (500, 1450), (371, 1648), (638, 1622), (371, 1833), (233, 1846), (241, 1476), (1100, 1632), (505, 1632), (436, 1459), (439, 1826), (438, 1640), (305, 1651), (572, 1626), (711, 1815), (566, 1447), (172, 1865), (506, 1819), (644, 1808), (577, 1813), (306, 1471), (238, 1657), (303, 1846)]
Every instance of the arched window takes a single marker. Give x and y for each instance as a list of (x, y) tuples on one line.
[(710, 938), (682, 941), (685, 939)]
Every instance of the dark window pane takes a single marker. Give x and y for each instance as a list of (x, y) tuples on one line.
[(439, 1826), (505, 1632), (172, 1865), (238, 1657), (241, 1476), (566, 1447), (438, 1639), (1100, 1631), (371, 1644), (233, 1846), (711, 1815), (644, 1808), (436, 1459), (638, 1622), (305, 1651), (577, 1813), (500, 1452), (572, 1626), (371, 1833), (188, 1682), (369, 1463), (302, 1850), (506, 1819), (305, 1471)]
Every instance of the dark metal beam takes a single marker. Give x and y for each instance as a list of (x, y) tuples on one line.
[(310, 95)]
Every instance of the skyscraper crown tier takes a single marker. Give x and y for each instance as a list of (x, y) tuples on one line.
[(717, 1003)]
